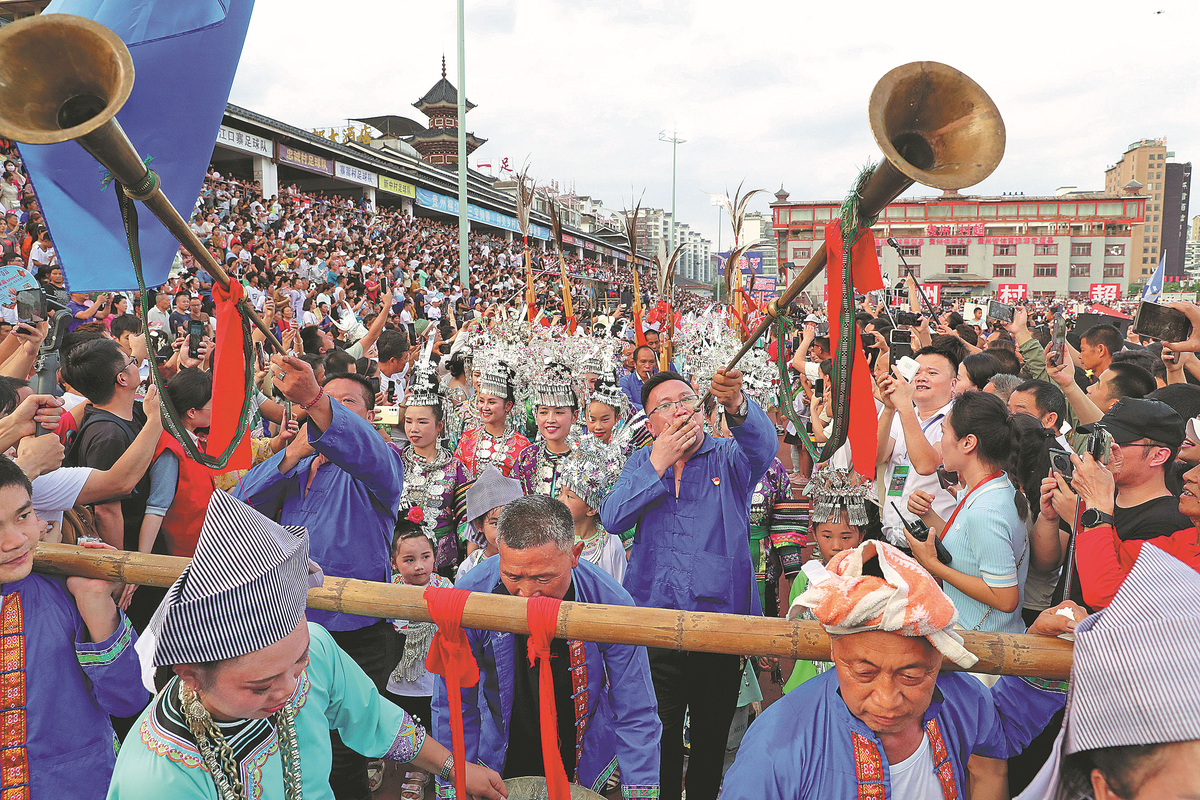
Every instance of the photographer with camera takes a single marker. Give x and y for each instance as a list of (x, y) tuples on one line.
[(1146, 435)]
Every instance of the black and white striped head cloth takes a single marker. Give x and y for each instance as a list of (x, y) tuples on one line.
[(1132, 677), (245, 589)]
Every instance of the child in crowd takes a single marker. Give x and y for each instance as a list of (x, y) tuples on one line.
[(843, 516), (486, 498)]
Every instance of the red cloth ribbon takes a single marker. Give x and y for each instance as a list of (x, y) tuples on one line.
[(450, 656), (542, 615), (229, 378), (865, 277)]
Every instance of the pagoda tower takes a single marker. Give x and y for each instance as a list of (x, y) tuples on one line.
[(438, 144)]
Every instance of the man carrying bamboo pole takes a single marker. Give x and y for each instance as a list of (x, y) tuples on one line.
[(689, 498), (886, 722), (602, 693)]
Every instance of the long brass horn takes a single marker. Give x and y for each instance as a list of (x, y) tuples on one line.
[(935, 126), (65, 77)]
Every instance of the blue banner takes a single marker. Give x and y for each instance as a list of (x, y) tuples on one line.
[(449, 205), (749, 262), (184, 55)]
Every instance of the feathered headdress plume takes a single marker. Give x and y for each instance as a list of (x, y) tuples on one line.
[(736, 208), (557, 236), (524, 203), (631, 235)]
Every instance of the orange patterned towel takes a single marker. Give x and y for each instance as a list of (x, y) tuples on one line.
[(906, 599)]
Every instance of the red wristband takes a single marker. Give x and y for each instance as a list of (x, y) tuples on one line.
[(320, 394)]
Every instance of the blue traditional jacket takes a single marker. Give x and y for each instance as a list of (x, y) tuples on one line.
[(692, 552), (57, 691), (808, 745), (349, 510), (616, 714)]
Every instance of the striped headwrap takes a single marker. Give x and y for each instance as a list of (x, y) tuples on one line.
[(244, 589), (1133, 674)]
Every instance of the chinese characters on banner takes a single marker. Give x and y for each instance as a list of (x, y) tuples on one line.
[(973, 229), (933, 292), (1012, 293), (1105, 292)]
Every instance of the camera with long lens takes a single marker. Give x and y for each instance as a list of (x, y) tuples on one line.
[(34, 306), (906, 318)]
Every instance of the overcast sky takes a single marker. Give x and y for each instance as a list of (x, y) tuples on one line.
[(766, 93)]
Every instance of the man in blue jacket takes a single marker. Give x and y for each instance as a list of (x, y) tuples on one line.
[(603, 694), (340, 479), (688, 497)]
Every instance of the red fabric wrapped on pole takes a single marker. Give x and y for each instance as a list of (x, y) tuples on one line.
[(864, 267), (450, 656), (229, 378), (542, 615)]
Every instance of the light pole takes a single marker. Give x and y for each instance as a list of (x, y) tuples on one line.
[(675, 139), (464, 224)]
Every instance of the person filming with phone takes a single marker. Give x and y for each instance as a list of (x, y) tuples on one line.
[(910, 435)]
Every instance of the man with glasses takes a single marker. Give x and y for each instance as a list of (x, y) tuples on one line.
[(688, 497), (1146, 436)]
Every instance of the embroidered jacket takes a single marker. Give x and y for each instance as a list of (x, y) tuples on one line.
[(477, 449), (440, 488), (537, 470), (57, 691), (616, 714), (808, 746), (160, 758)]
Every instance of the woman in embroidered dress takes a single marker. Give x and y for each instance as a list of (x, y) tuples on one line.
[(494, 442), (556, 408), (434, 480), (411, 686), (250, 697)]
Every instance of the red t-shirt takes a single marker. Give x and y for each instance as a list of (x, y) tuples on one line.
[(1104, 559)]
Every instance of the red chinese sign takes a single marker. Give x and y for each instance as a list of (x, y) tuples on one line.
[(1012, 293), (1104, 292), (933, 292)]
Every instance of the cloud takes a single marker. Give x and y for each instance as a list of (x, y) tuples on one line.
[(769, 93)]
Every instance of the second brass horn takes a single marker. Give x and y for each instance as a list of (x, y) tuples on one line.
[(64, 77), (935, 126)]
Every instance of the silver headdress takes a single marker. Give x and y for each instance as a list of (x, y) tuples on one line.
[(426, 390), (554, 386), (831, 490), (495, 378), (591, 469), (609, 392)]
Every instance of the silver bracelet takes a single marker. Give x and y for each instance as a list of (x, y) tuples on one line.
[(447, 771)]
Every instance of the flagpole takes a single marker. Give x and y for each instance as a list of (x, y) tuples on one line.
[(464, 224)]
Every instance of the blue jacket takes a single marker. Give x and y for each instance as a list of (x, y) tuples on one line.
[(620, 717), (59, 690), (350, 509), (808, 746), (632, 385), (692, 552)]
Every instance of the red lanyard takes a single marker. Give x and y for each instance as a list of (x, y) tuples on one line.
[(963, 502)]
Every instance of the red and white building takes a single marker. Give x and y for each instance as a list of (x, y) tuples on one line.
[(1077, 244)]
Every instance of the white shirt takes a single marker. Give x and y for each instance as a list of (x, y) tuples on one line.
[(914, 778), (56, 492), (902, 478)]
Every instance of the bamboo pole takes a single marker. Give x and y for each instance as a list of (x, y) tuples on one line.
[(999, 653)]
